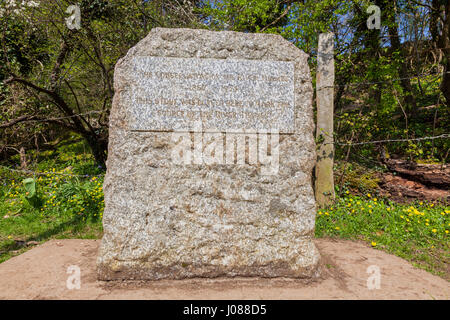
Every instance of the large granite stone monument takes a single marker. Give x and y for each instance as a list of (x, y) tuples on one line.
[(211, 152)]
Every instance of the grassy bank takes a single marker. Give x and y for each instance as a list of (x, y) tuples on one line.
[(70, 205), (417, 232), (69, 202)]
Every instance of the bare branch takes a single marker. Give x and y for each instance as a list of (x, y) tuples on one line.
[(285, 12), (17, 120)]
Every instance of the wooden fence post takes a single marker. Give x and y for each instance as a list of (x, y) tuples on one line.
[(324, 186)]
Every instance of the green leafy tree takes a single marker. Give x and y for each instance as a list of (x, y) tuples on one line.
[(56, 78)]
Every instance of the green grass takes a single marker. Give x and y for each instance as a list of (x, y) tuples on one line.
[(70, 205), (71, 196), (417, 232)]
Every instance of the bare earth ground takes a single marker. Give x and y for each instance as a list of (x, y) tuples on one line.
[(41, 273)]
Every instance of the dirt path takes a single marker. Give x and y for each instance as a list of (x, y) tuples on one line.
[(41, 274)]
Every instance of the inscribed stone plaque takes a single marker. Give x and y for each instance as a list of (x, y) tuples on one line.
[(226, 95), (224, 215)]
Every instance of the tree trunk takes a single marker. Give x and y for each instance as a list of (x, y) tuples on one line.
[(441, 41), (434, 19), (98, 147), (435, 175), (409, 98), (445, 44)]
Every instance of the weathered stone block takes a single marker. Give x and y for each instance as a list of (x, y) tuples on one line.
[(198, 218)]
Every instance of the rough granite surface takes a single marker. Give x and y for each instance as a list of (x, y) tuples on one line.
[(163, 220), (170, 93)]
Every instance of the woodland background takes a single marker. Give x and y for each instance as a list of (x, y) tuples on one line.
[(392, 83), (391, 112)]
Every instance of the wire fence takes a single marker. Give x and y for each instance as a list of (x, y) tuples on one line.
[(335, 142), (50, 173), (423, 75), (31, 119), (442, 136), (76, 115)]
